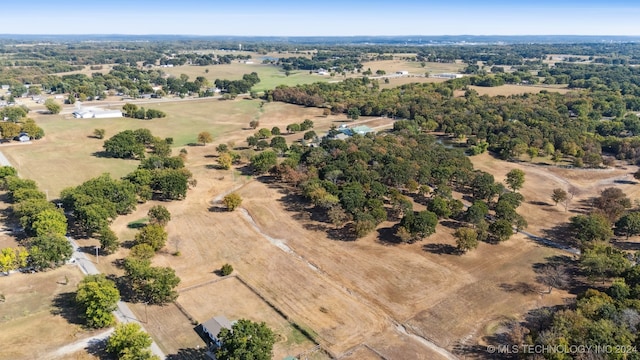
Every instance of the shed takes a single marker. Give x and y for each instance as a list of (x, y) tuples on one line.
[(213, 326), (23, 137)]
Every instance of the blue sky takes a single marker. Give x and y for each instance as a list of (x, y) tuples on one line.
[(322, 18)]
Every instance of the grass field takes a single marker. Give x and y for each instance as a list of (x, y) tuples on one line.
[(30, 329), (270, 75), (413, 67)]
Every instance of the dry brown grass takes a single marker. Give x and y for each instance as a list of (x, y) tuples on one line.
[(29, 329), (413, 67), (509, 89)]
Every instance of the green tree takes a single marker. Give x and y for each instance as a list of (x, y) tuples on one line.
[(50, 222), (275, 131), (108, 240), (515, 179), (49, 251), (12, 259), (559, 195), (232, 201), (439, 206), (99, 133), (602, 261), (593, 227), (153, 235), (476, 212), (279, 143), (292, 128), (124, 145), (353, 113), (129, 109), (612, 202), (309, 135), (142, 252), (263, 133), (264, 161), (501, 229), (205, 137), (629, 224), (246, 340), (226, 270), (306, 125), (466, 239), (171, 184), (159, 214), (225, 160), (129, 342), (97, 297), (52, 106)]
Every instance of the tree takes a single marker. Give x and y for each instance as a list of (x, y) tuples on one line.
[(440, 206), (466, 239), (52, 106), (476, 212), (108, 240), (275, 131), (292, 128), (264, 161), (49, 251), (159, 214), (129, 342), (171, 184), (593, 227), (225, 160), (226, 270), (501, 229), (309, 135), (246, 340), (124, 145), (515, 179), (559, 195), (603, 260), (142, 252), (50, 222), (629, 224), (253, 124), (98, 133), (97, 298), (12, 259), (306, 125), (337, 215), (205, 137), (150, 284), (353, 113), (232, 201), (554, 276), (612, 202), (153, 235), (129, 109)]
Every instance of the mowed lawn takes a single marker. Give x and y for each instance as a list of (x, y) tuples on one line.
[(69, 154)]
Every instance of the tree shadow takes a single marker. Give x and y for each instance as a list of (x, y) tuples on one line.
[(451, 224), (345, 233), (136, 225), (520, 287), (560, 272), (64, 304), (101, 154), (387, 235), (218, 208), (626, 245), (189, 354), (561, 234), (539, 203), (441, 249), (97, 348)]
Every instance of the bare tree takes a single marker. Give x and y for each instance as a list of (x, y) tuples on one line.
[(554, 276)]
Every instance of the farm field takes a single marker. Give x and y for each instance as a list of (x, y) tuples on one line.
[(31, 327), (413, 67), (510, 89)]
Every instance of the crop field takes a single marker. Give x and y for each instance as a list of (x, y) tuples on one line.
[(31, 327)]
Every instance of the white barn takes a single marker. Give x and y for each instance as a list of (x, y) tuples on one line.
[(96, 113)]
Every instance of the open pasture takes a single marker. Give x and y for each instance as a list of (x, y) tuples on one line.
[(30, 329)]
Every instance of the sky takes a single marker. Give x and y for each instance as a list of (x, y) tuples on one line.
[(322, 18)]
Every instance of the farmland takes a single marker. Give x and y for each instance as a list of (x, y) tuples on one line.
[(324, 295)]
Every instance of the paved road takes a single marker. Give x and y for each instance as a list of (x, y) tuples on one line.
[(122, 313)]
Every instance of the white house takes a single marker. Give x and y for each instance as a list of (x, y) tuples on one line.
[(96, 113), (213, 326)]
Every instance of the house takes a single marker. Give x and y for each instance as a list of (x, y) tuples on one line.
[(213, 326)]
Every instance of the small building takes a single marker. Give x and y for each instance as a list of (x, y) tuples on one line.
[(23, 137), (447, 76), (213, 326), (402, 72), (95, 113)]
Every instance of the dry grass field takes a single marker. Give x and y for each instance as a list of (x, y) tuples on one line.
[(30, 329), (509, 89), (413, 67)]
